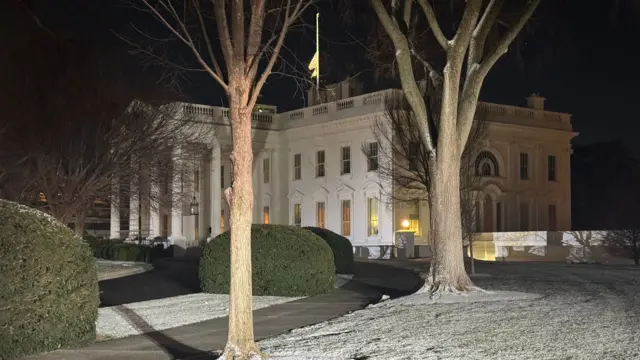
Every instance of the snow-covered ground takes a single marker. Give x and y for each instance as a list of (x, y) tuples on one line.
[(544, 311), (154, 315), (137, 318)]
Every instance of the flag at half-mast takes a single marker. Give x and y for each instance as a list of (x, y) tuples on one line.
[(314, 64)]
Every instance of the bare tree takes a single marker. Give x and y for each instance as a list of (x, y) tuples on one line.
[(624, 243), (73, 122), (250, 36), (468, 58), (405, 162)]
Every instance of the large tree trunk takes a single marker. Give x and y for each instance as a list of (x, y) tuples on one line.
[(240, 342), (447, 272)]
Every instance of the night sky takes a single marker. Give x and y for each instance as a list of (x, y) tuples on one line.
[(592, 75)]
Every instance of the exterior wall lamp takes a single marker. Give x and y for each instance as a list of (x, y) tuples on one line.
[(194, 206)]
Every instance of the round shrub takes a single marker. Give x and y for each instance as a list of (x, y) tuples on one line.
[(286, 261), (124, 252), (340, 246), (49, 284)]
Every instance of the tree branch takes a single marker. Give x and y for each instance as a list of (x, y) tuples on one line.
[(433, 24), (481, 32), (409, 84), (503, 44)]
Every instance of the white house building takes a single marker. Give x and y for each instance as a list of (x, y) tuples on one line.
[(310, 170)]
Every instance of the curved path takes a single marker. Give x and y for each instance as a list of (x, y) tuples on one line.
[(196, 341)]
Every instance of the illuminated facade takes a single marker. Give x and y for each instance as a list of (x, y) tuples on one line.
[(317, 166)]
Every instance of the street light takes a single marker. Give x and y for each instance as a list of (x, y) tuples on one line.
[(193, 207)]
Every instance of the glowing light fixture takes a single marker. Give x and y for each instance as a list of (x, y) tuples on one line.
[(405, 223), (193, 207)]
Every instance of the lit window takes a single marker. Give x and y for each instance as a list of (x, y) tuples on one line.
[(265, 215), (221, 220), (524, 166), (372, 156), (297, 214), (372, 212), (297, 167), (42, 198), (414, 224), (551, 168), (320, 163), (346, 160), (320, 215), (346, 217), (265, 170)]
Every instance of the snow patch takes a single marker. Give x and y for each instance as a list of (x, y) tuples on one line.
[(552, 312)]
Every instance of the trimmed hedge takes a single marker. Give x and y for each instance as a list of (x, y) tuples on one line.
[(340, 246), (286, 261), (95, 242), (124, 252), (49, 284)]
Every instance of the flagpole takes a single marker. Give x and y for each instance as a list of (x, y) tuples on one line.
[(318, 48)]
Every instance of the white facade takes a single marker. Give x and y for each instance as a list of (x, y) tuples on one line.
[(301, 176)]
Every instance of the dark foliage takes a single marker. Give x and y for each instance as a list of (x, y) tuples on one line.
[(341, 247), (49, 285), (286, 261)]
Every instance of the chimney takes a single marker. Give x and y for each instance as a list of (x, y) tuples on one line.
[(535, 101), (312, 96)]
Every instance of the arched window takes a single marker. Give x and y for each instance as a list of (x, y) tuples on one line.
[(487, 164)]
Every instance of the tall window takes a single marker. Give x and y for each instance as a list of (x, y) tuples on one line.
[(524, 216), (297, 214), (222, 177), (372, 215), (551, 168), (345, 152), (414, 224), (320, 215), (346, 217), (320, 163), (265, 170), (524, 166), (297, 166), (372, 156), (265, 215), (553, 220)]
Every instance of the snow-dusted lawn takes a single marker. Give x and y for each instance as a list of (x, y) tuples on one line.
[(137, 318), (566, 312)]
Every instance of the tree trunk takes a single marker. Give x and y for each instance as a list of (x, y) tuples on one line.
[(447, 272), (240, 341)]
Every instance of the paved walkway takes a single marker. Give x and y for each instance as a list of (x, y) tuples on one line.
[(196, 341)]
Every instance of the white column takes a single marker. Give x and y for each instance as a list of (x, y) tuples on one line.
[(114, 228), (177, 237), (134, 206), (154, 206), (202, 223), (216, 191), (494, 205)]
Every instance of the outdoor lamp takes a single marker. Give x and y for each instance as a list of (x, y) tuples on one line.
[(405, 223), (193, 207)]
